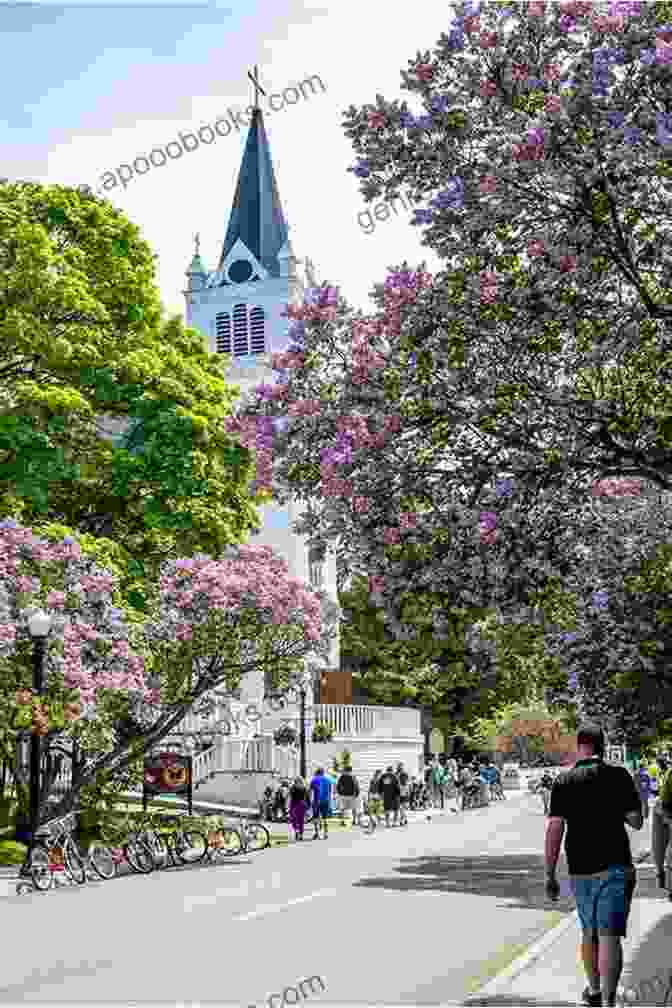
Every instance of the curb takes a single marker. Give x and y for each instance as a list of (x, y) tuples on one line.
[(504, 979)]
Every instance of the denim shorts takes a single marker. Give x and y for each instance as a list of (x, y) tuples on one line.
[(603, 900)]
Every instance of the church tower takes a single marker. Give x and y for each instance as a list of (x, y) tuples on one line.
[(238, 307)]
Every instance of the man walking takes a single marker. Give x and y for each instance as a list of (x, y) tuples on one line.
[(320, 789), (437, 783), (347, 789), (390, 791), (593, 800), (661, 829)]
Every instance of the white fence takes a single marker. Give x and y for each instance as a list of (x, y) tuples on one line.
[(368, 721)]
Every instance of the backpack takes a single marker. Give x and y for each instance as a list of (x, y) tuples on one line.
[(347, 786)]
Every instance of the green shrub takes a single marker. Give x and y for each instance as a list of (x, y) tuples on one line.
[(12, 852)]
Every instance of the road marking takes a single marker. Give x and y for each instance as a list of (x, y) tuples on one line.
[(281, 906)]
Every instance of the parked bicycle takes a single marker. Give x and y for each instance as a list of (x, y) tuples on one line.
[(178, 845), (53, 852), (254, 835)]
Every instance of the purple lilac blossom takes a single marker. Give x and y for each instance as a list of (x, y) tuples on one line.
[(599, 599), (664, 129), (567, 23), (361, 169), (456, 38), (422, 217), (504, 488), (440, 104)]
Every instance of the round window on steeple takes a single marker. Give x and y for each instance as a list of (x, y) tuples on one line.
[(240, 271)]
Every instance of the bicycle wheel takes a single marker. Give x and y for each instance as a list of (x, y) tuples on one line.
[(40, 872), (158, 847), (101, 861), (257, 837), (190, 847), (139, 856), (74, 862), (230, 843)]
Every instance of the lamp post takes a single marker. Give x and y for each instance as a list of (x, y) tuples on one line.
[(39, 625), (302, 733)]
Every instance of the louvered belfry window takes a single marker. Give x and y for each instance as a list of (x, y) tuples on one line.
[(248, 331), (257, 341), (223, 327), (240, 327)]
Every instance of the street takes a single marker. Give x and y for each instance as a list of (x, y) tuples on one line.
[(426, 913)]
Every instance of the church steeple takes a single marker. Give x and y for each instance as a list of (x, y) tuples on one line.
[(257, 219)]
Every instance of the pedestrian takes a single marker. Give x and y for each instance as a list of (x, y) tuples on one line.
[(661, 829), (450, 784), (320, 788), (436, 783), (643, 784), (347, 789), (388, 788), (592, 802), (404, 791), (281, 799), (299, 803)]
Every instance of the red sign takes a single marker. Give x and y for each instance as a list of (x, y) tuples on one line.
[(167, 773)]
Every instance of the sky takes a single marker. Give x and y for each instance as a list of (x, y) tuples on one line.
[(86, 89)]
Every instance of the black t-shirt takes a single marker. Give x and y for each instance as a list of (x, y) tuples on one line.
[(593, 798), (347, 786), (388, 786)]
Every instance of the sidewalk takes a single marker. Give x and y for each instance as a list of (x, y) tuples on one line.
[(550, 972)]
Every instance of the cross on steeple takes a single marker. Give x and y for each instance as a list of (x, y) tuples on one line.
[(257, 86)]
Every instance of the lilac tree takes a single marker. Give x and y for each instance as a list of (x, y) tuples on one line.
[(116, 688), (449, 440)]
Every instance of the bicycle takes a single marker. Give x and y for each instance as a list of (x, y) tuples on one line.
[(53, 851), (138, 853), (181, 847), (254, 836), (224, 842)]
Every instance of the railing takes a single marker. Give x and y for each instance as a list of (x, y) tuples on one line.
[(370, 721), (346, 719), (204, 764)]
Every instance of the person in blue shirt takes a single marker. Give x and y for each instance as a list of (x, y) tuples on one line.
[(320, 789)]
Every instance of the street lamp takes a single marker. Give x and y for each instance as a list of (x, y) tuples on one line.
[(39, 625)]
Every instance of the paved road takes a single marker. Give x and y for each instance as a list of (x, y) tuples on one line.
[(426, 913)]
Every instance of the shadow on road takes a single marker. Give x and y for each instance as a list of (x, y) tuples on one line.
[(515, 878)]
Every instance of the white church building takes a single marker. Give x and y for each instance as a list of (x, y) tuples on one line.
[(238, 307)]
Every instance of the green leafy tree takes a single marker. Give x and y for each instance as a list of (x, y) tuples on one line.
[(443, 671), (112, 418)]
